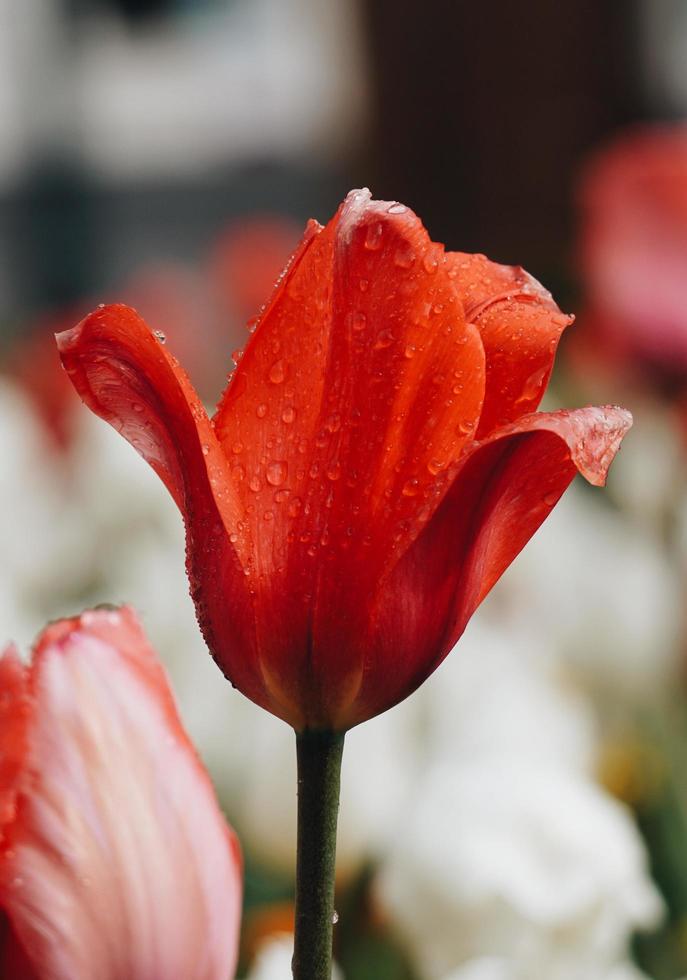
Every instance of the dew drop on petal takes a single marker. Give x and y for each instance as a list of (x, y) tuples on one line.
[(436, 466), (277, 372), (550, 499), (359, 321), (276, 472), (237, 448), (261, 411), (411, 488), (397, 208), (385, 338), (363, 285), (289, 414), (254, 484), (373, 238), (430, 262), (404, 257), (158, 334)]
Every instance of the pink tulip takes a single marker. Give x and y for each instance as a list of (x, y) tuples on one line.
[(115, 860)]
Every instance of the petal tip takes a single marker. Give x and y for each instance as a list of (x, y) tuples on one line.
[(595, 453), (360, 210)]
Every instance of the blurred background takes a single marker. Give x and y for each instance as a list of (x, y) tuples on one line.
[(524, 816)]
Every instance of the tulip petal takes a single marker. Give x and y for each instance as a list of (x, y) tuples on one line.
[(520, 326), (504, 490), (359, 389), (127, 377), (118, 863)]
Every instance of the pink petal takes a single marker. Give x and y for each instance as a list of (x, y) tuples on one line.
[(118, 863)]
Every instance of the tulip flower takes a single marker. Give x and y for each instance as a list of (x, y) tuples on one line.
[(374, 465), (115, 860), (633, 252)]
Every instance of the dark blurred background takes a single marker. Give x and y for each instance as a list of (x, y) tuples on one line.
[(133, 129)]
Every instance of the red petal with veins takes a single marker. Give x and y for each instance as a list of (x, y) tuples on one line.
[(117, 862), (505, 488), (373, 367), (520, 326)]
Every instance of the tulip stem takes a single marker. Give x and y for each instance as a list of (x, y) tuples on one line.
[(319, 770)]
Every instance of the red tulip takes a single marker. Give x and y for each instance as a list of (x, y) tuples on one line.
[(115, 861), (633, 250), (372, 468)]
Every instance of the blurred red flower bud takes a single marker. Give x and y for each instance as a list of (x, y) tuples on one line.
[(633, 253), (374, 464)]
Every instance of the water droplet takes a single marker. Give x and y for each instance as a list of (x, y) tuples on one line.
[(363, 285), (289, 414), (268, 515), (359, 321), (550, 499), (397, 208), (373, 238), (233, 537), (385, 338), (436, 466), (137, 407), (261, 411), (334, 471), (237, 448), (252, 323), (333, 423), (533, 384), (404, 257), (314, 470), (158, 334), (276, 472), (277, 372), (281, 495), (205, 449), (236, 355), (254, 484), (431, 263), (294, 506), (238, 473), (411, 488), (410, 351), (438, 308)]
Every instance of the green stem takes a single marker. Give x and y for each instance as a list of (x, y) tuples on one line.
[(319, 770)]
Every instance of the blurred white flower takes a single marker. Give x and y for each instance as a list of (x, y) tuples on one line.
[(273, 961), (496, 693), (611, 607), (649, 470), (527, 863), (494, 968)]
